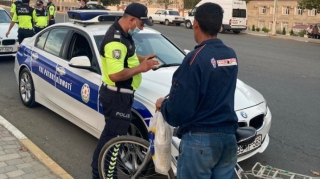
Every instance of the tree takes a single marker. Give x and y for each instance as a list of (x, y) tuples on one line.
[(190, 4), (166, 3), (310, 4), (110, 2)]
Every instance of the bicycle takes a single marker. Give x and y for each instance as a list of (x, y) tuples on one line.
[(134, 161)]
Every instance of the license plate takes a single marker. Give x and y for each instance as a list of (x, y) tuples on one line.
[(234, 22), (6, 49), (257, 143)]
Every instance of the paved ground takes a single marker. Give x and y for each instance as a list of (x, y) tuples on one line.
[(16, 162), (286, 72)]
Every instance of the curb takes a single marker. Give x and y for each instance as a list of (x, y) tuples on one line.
[(36, 151), (279, 37)]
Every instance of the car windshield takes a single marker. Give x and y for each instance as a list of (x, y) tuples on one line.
[(174, 13), (4, 17), (154, 43)]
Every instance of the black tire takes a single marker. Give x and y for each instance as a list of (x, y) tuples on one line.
[(166, 22), (120, 139), (26, 84), (223, 30), (178, 24), (139, 124), (236, 31), (150, 18), (188, 24)]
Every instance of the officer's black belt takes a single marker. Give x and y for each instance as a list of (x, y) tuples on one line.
[(40, 26), (25, 28), (121, 90)]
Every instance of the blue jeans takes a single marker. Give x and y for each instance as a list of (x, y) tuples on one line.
[(207, 156)]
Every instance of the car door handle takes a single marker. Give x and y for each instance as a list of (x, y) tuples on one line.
[(61, 70)]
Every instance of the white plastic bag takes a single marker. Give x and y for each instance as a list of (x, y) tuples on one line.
[(160, 138)]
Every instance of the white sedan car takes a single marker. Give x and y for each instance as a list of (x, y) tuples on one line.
[(8, 46), (60, 68)]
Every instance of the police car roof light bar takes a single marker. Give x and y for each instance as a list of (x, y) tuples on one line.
[(93, 16)]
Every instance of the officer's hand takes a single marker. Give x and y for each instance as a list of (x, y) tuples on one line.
[(158, 104), (7, 34), (147, 65)]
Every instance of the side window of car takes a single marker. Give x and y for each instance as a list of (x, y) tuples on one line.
[(41, 40), (159, 12), (55, 40)]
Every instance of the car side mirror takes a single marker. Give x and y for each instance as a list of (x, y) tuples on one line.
[(82, 62), (186, 51), (190, 14)]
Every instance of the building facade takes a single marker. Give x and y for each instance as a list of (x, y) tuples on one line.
[(288, 14)]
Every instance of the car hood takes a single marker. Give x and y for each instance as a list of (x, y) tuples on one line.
[(13, 33), (156, 84)]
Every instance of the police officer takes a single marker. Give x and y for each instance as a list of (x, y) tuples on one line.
[(26, 15), (201, 102), (42, 18), (14, 7), (51, 12), (121, 75), (83, 4)]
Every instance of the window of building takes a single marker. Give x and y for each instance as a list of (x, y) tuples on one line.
[(299, 11), (284, 25), (271, 10), (286, 10), (312, 12), (263, 10)]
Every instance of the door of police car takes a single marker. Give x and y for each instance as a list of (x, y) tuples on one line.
[(82, 85)]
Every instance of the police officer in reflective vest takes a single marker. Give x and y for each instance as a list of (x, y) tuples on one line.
[(26, 15), (121, 76), (14, 7), (42, 18), (51, 12)]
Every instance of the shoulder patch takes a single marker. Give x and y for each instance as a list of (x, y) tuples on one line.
[(116, 54), (227, 62)]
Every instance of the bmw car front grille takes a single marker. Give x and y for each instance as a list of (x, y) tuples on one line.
[(8, 42)]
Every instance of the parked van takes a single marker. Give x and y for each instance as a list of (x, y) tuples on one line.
[(234, 16)]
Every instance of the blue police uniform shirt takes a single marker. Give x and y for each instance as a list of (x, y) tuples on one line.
[(201, 97)]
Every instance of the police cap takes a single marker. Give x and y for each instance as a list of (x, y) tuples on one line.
[(39, 3), (139, 11), (25, 1)]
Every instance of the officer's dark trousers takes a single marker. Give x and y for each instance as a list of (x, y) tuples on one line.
[(24, 33), (38, 29), (51, 22), (117, 112)]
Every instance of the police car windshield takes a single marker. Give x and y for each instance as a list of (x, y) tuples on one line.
[(4, 17), (154, 43)]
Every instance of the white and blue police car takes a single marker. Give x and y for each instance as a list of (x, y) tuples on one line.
[(60, 68)]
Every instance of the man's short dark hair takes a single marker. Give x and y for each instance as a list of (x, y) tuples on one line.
[(25, 1), (209, 16)]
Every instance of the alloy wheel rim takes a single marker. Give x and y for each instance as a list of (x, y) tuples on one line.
[(25, 87)]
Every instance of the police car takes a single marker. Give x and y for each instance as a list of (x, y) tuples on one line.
[(8, 46), (60, 68)]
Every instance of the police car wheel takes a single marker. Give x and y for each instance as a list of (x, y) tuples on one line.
[(26, 88), (137, 128)]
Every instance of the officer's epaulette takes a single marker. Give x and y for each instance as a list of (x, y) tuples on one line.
[(117, 36)]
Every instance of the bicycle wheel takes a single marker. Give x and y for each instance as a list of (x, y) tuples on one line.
[(122, 156)]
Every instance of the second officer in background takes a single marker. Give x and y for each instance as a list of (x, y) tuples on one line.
[(26, 15), (42, 18), (51, 12)]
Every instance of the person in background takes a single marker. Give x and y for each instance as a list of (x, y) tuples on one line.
[(42, 18), (14, 7), (309, 31), (26, 16), (201, 102), (51, 12), (83, 4), (315, 31)]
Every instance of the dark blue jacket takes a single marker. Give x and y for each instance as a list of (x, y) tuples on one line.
[(201, 98)]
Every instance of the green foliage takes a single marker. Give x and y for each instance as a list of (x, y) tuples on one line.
[(166, 3), (264, 29), (253, 27), (258, 29), (291, 32), (110, 2), (190, 4), (284, 31), (302, 33), (310, 4)]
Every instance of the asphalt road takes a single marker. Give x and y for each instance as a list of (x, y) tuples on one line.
[(286, 72)]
